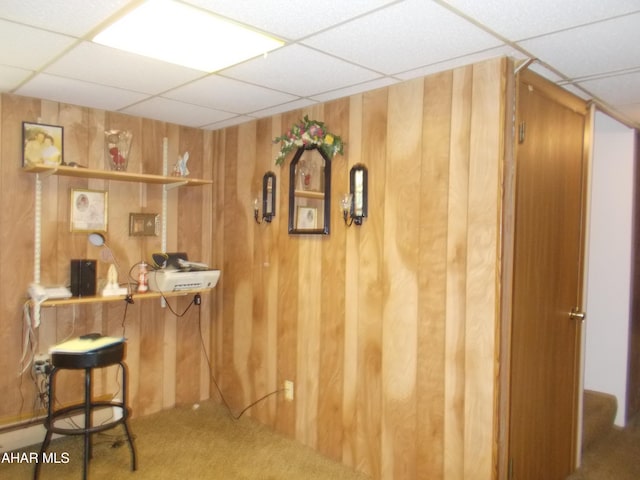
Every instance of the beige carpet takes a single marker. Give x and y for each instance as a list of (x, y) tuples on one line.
[(183, 443), (615, 457)]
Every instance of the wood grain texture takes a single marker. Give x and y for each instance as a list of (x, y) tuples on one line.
[(164, 359), (387, 329)]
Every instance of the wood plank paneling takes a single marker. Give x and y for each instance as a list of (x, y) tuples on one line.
[(164, 361), (400, 308), (434, 205), (388, 330)]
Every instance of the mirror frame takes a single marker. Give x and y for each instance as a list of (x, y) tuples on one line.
[(268, 196), (324, 229)]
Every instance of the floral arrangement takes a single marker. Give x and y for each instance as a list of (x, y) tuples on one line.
[(308, 132)]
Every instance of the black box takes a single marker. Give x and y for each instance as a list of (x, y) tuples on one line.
[(83, 278)]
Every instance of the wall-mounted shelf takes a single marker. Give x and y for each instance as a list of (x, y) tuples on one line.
[(79, 172), (309, 194), (61, 302)]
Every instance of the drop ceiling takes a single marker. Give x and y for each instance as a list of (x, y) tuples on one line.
[(333, 49)]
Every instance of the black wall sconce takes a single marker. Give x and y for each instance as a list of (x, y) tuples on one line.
[(355, 204), (268, 199)]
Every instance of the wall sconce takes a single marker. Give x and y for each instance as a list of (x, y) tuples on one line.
[(268, 199), (355, 204)]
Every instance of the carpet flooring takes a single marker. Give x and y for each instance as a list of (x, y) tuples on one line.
[(187, 443), (614, 457)]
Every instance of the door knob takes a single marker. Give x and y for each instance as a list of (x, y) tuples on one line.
[(576, 314)]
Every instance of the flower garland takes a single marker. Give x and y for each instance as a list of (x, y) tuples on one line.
[(308, 132)]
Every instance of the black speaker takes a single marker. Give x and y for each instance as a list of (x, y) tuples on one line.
[(83, 278)]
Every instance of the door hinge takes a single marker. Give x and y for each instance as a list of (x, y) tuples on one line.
[(521, 132)]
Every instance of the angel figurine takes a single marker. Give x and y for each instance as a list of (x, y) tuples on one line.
[(180, 169)]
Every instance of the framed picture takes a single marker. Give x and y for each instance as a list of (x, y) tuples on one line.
[(144, 224), (306, 218), (41, 144), (88, 210)]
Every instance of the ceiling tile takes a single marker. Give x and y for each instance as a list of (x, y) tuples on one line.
[(395, 39), (461, 61), (108, 66), (229, 95), (27, 47), (285, 107), (76, 92), (73, 17), (240, 119), (354, 89), (301, 71), (606, 46), (167, 110), (630, 111), (520, 19), (11, 77), (287, 19), (618, 89)]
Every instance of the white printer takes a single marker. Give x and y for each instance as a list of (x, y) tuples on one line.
[(178, 274)]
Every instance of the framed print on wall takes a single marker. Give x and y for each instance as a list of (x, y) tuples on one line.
[(88, 210), (307, 218), (41, 144)]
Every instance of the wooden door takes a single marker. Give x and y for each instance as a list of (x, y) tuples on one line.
[(547, 277)]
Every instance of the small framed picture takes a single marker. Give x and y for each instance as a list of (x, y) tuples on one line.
[(306, 218), (41, 144), (144, 224), (88, 210)]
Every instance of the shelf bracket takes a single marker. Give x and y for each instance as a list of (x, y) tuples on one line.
[(47, 173), (171, 186)]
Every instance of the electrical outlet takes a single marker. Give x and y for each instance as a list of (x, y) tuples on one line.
[(288, 390), (41, 364)]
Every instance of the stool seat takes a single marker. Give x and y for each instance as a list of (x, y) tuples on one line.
[(101, 357)]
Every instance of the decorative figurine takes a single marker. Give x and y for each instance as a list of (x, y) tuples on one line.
[(113, 288), (180, 169)]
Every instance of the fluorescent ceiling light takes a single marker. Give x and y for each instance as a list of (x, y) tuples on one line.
[(177, 33)]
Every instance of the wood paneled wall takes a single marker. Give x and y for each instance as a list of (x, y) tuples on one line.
[(389, 330), (164, 355)]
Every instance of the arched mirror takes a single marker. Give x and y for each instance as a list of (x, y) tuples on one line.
[(309, 191)]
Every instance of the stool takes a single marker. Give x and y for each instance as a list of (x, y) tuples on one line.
[(102, 357)]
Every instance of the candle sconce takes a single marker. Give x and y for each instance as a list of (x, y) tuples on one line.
[(355, 204), (268, 199)]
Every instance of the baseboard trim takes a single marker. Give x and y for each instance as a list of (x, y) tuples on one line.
[(33, 433)]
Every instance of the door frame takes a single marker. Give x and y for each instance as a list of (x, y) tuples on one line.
[(508, 229)]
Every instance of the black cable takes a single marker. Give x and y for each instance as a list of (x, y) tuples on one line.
[(215, 382)]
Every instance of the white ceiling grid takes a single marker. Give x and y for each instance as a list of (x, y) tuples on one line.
[(332, 49)]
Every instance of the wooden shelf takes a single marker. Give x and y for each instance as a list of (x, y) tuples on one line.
[(309, 194), (119, 298), (80, 172)]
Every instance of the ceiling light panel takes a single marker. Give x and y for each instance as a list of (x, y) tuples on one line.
[(177, 33)]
